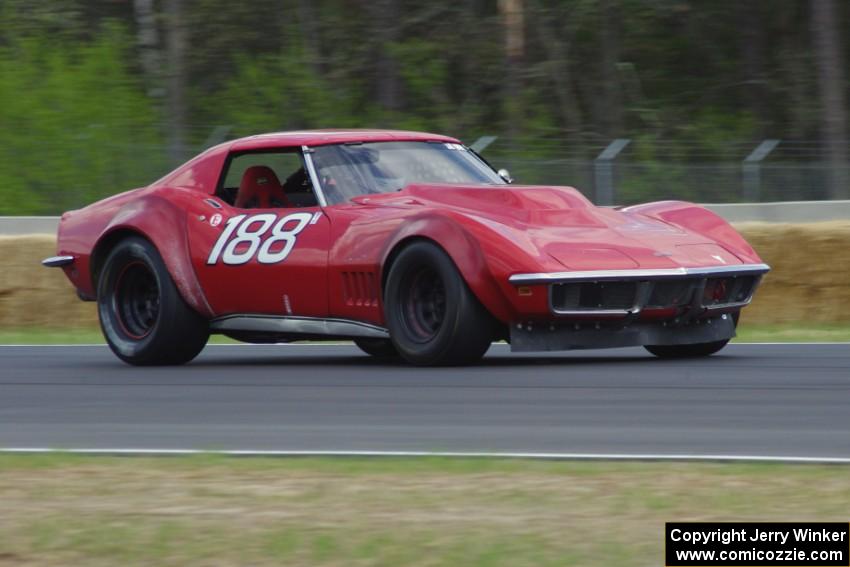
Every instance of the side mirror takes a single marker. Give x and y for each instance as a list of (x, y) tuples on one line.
[(506, 175)]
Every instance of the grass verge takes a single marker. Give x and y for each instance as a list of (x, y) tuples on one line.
[(60, 336), (826, 333), (62, 510), (747, 333)]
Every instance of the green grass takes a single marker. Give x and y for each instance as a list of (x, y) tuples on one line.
[(793, 333), (210, 510), (746, 334), (57, 336), (49, 336)]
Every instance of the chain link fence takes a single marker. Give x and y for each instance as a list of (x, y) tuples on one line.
[(766, 171), (635, 181), (49, 180)]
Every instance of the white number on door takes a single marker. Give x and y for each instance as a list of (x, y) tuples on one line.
[(250, 239)]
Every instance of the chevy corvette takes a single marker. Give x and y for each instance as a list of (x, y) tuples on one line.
[(409, 244)]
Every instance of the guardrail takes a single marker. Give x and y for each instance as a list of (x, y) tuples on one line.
[(786, 211), (11, 226)]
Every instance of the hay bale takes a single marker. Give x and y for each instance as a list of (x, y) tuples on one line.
[(810, 277), (34, 296), (809, 283)]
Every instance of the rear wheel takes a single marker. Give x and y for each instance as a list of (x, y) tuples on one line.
[(379, 348), (432, 316), (143, 317)]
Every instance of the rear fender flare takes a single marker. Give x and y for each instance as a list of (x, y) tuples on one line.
[(164, 225)]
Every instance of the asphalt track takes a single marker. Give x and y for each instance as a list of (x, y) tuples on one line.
[(772, 400)]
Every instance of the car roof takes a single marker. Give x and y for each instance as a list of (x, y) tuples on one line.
[(325, 137)]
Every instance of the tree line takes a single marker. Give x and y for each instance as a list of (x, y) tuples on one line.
[(99, 95)]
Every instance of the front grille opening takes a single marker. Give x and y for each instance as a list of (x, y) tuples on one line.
[(720, 291), (671, 293), (593, 296)]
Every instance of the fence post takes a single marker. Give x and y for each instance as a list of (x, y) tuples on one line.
[(481, 143), (217, 136), (751, 170), (603, 167)]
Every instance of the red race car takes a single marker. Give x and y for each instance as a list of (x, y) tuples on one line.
[(408, 243)]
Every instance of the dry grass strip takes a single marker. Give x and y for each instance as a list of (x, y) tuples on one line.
[(59, 510)]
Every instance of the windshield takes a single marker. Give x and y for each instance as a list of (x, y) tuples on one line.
[(350, 170)]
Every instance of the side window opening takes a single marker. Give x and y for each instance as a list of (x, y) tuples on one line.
[(268, 179)]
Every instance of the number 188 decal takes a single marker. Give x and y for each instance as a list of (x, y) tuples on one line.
[(250, 238)]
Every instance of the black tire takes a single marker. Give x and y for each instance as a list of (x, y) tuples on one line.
[(433, 317), (691, 351), (686, 351), (142, 315), (379, 348)]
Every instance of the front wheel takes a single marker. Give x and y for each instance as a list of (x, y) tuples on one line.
[(143, 317), (433, 317), (686, 351), (694, 350)]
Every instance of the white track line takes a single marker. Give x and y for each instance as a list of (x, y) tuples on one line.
[(324, 344), (72, 345), (447, 454), (795, 344)]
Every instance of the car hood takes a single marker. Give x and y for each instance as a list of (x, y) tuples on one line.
[(561, 228)]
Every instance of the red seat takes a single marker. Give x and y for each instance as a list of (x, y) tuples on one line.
[(258, 188)]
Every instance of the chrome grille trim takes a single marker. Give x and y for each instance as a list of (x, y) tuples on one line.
[(637, 274), (698, 277)]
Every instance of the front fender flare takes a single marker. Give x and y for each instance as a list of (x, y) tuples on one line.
[(698, 219), (464, 250)]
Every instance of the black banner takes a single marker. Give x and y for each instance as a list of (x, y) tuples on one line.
[(760, 544)]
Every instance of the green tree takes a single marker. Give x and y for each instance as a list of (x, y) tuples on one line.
[(76, 124)]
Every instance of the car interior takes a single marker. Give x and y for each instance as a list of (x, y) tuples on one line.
[(252, 181)]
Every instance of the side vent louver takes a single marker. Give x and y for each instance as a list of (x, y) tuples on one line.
[(360, 289)]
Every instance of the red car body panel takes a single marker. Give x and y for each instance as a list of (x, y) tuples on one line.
[(339, 261), (298, 286)]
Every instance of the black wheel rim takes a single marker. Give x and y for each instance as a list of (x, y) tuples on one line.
[(423, 304), (136, 300)]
